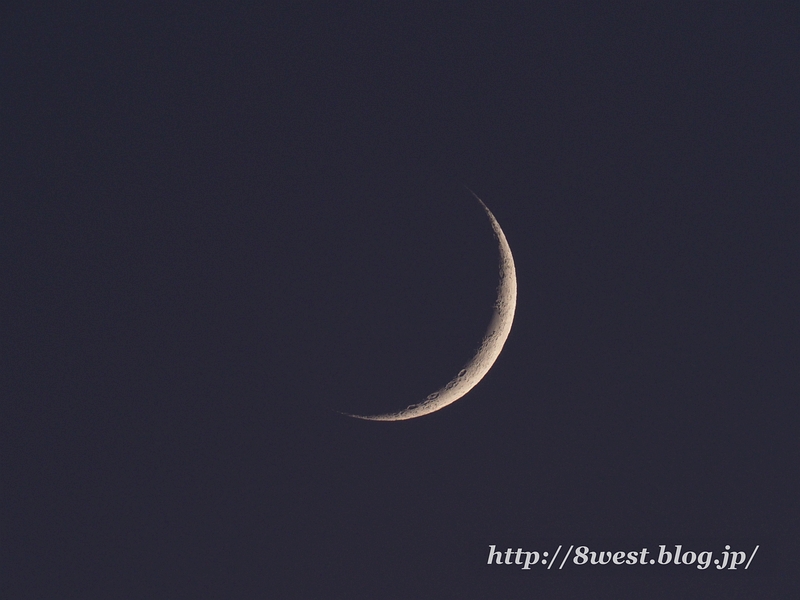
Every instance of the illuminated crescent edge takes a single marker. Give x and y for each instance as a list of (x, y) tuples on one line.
[(488, 350)]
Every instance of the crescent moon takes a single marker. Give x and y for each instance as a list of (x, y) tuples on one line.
[(488, 350)]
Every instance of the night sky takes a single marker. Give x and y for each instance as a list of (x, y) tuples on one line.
[(223, 226)]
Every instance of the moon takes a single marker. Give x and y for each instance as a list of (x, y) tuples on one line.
[(488, 350)]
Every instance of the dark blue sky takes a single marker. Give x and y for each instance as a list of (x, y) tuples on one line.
[(227, 224)]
